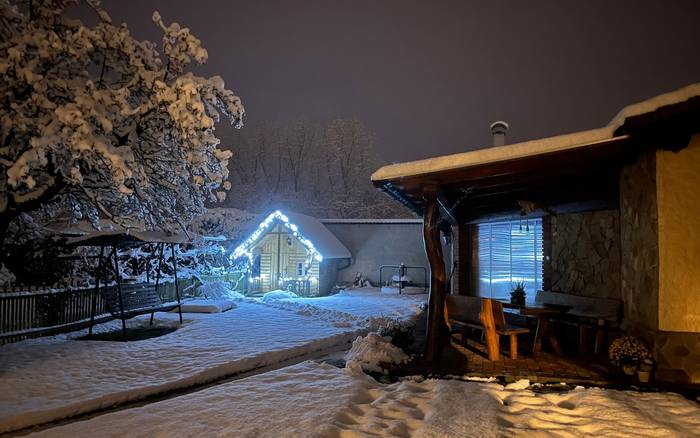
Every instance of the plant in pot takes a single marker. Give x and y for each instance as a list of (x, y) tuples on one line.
[(644, 371), (627, 352), (517, 295)]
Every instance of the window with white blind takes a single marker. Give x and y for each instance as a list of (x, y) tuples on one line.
[(509, 252)]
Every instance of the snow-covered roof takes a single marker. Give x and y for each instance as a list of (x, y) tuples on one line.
[(84, 233), (127, 235), (309, 230), (535, 147), (325, 242)]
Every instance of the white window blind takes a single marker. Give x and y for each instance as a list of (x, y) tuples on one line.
[(510, 252)]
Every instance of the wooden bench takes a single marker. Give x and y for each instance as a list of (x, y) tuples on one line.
[(486, 315), (135, 299), (587, 313), (462, 312)]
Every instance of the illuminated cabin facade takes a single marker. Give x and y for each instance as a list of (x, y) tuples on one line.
[(291, 251)]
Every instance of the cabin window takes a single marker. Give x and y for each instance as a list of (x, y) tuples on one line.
[(507, 253), (300, 269)]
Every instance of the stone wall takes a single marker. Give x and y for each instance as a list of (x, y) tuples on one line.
[(639, 244), (585, 257)]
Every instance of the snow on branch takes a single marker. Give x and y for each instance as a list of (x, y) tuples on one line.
[(106, 125)]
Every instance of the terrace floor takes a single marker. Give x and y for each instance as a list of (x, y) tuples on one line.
[(544, 367)]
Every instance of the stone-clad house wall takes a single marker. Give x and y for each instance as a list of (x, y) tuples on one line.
[(661, 286), (585, 254), (639, 244)]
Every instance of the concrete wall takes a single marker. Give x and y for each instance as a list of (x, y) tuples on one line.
[(585, 257), (678, 198), (376, 244)]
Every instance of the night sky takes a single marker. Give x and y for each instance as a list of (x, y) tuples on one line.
[(429, 77)]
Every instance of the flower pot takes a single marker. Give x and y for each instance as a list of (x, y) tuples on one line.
[(643, 376), (629, 369), (517, 301)]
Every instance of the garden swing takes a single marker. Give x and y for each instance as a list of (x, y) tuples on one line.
[(127, 300)]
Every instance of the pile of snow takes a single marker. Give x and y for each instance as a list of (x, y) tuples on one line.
[(278, 295), (207, 306), (219, 290), (373, 353)]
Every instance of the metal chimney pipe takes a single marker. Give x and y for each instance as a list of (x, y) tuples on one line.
[(498, 130)]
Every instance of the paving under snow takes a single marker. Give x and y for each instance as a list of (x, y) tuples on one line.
[(318, 400), (50, 378)]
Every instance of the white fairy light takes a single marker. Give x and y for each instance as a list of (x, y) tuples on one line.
[(243, 250)]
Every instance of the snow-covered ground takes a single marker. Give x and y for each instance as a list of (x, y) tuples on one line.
[(56, 377), (354, 306), (318, 400)]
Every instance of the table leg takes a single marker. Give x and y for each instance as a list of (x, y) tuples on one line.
[(554, 342), (542, 331), (541, 325)]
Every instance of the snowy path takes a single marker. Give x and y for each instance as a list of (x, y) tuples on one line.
[(52, 378), (357, 306), (318, 400)]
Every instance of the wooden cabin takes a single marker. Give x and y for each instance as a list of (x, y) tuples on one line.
[(291, 251)]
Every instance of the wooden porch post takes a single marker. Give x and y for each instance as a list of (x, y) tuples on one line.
[(436, 330)]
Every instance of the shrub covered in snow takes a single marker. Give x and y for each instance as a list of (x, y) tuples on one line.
[(373, 353), (401, 335), (219, 290), (278, 295)]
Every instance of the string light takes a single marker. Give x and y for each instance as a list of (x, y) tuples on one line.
[(243, 250)]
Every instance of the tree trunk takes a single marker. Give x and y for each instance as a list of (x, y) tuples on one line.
[(436, 331)]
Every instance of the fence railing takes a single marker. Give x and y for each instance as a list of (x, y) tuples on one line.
[(33, 311), (27, 312)]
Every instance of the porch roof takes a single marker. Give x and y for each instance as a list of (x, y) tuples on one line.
[(572, 172)]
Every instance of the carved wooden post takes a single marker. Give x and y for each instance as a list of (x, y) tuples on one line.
[(492, 339), (436, 332)]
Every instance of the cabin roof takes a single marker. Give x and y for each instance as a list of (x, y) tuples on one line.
[(310, 228)]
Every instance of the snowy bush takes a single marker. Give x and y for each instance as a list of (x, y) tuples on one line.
[(219, 289), (373, 353), (94, 123), (400, 334), (278, 295)]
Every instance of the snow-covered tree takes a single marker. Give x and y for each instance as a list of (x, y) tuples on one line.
[(322, 170), (97, 124)]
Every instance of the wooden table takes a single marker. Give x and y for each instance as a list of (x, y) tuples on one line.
[(542, 313)]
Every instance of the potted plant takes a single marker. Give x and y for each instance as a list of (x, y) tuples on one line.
[(627, 352), (644, 372), (517, 295)]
